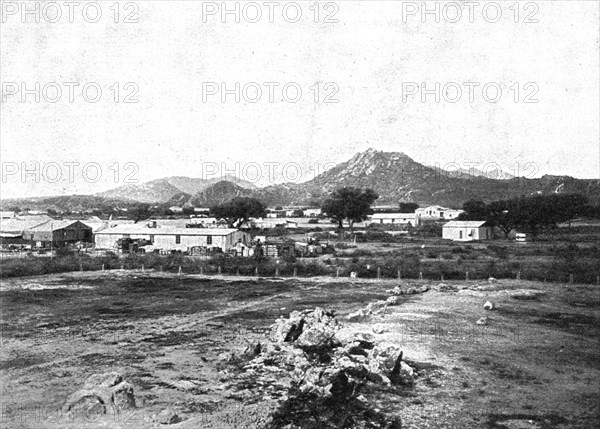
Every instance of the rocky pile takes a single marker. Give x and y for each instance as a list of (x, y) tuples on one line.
[(105, 393), (328, 377)]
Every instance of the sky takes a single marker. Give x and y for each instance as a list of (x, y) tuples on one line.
[(291, 89)]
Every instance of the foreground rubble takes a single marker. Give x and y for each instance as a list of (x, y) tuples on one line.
[(329, 379)]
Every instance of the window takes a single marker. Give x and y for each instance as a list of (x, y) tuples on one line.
[(209, 239), (460, 234), (178, 239), (152, 239)]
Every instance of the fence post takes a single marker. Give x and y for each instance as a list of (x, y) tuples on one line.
[(597, 280), (467, 276), (180, 270), (256, 271), (571, 279), (276, 272), (378, 273), (442, 277), (219, 270), (399, 275), (420, 275), (161, 268), (237, 273), (122, 267), (102, 267), (295, 271), (80, 266), (519, 275), (142, 268)]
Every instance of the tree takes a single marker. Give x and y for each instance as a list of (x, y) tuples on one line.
[(239, 210), (474, 210), (499, 214), (408, 207), (349, 204), (140, 212)]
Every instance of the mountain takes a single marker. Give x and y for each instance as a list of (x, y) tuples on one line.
[(397, 177), (394, 176), (219, 193), (169, 189)]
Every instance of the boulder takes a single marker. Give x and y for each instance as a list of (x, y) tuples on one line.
[(527, 294), (489, 305), (423, 289), (357, 316), (395, 291), (101, 394), (411, 291), (443, 287), (492, 280), (392, 300), (168, 417), (482, 321)]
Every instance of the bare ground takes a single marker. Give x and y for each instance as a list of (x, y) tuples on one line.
[(536, 364)]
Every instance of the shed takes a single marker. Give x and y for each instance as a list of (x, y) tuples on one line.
[(59, 233), (458, 230)]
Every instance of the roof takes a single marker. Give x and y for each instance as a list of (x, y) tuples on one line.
[(392, 215), (54, 225), (20, 224), (465, 224), (142, 230)]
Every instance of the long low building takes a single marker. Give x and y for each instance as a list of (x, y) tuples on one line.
[(401, 219), (172, 238)]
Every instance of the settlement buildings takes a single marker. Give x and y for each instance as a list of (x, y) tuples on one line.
[(168, 239), (400, 219), (438, 212), (466, 231)]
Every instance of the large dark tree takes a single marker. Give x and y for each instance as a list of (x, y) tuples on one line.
[(474, 210), (407, 207), (239, 210), (349, 204)]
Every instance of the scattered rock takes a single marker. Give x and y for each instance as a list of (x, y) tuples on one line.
[(443, 287), (378, 329), (527, 294), (392, 300), (423, 289), (482, 321), (101, 394), (411, 291), (492, 280), (489, 305), (395, 291), (357, 316), (168, 417)]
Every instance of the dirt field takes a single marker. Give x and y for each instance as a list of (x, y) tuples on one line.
[(536, 364)]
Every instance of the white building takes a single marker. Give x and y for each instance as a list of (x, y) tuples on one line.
[(438, 212), (458, 230), (173, 238), (312, 212), (404, 219)]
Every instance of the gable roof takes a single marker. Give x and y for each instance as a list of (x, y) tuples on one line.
[(465, 224), (54, 225), (142, 230)]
